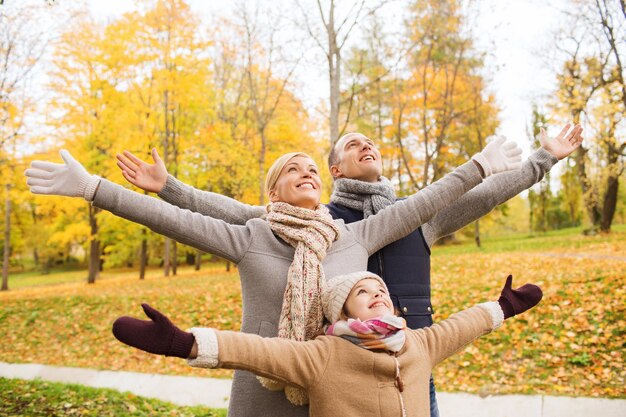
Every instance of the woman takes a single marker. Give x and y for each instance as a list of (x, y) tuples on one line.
[(283, 257)]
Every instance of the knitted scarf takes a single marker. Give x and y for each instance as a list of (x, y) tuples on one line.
[(368, 197), (381, 333), (311, 233)]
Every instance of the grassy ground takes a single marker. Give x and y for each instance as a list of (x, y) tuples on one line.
[(571, 344), (46, 399)]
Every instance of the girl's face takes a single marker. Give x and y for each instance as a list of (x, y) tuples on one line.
[(368, 299), (299, 184)]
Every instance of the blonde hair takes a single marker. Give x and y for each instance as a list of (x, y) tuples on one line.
[(274, 172)]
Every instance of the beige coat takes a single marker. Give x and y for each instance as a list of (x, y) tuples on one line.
[(343, 379)]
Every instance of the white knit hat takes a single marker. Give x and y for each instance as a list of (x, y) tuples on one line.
[(336, 291)]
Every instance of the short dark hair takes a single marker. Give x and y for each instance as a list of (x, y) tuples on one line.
[(333, 155)]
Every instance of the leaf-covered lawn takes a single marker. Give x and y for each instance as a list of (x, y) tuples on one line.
[(48, 399), (572, 344)]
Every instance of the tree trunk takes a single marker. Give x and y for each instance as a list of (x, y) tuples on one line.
[(334, 73), (198, 260), (609, 204), (262, 169), (7, 240), (589, 193), (166, 258), (174, 257), (94, 246), (143, 255), (477, 232)]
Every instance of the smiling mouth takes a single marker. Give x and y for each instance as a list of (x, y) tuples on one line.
[(307, 185), (367, 158), (378, 304)]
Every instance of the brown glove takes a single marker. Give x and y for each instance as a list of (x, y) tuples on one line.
[(158, 335), (519, 300)]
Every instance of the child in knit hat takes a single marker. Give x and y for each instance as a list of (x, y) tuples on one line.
[(388, 365)]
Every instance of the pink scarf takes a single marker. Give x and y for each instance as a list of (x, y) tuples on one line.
[(380, 333)]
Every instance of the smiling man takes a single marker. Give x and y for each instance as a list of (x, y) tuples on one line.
[(360, 190)]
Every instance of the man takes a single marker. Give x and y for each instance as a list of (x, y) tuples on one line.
[(359, 191)]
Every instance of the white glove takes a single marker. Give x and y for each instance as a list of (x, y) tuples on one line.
[(499, 156), (70, 179)]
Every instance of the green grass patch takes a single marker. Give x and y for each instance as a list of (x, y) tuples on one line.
[(77, 274), (48, 399), (569, 239)]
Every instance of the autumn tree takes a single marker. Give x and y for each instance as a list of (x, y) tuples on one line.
[(330, 26), (22, 46), (168, 77), (591, 91), (86, 82)]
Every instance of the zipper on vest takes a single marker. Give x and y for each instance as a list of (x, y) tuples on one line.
[(381, 266)]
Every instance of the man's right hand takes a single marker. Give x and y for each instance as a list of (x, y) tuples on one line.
[(148, 177), (564, 143)]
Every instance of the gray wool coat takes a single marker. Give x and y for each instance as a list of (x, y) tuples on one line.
[(263, 259)]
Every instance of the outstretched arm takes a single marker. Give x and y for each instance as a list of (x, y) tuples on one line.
[(194, 229), (295, 363), (502, 187), (453, 334), (401, 218), (154, 178)]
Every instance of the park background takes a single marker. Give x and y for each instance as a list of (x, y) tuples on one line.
[(222, 88)]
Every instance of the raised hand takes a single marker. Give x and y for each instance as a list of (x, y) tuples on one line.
[(157, 335), (69, 179), (517, 301), (149, 177), (499, 156), (565, 142)]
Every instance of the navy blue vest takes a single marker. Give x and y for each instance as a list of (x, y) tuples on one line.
[(405, 267)]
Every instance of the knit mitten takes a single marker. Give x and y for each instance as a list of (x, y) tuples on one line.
[(519, 300), (158, 335), (499, 156), (70, 179)]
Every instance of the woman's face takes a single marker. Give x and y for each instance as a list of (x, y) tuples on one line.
[(299, 184), (368, 299)]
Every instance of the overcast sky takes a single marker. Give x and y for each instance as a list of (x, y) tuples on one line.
[(514, 32)]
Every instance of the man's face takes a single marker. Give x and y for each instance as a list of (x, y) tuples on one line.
[(359, 159), (368, 299)]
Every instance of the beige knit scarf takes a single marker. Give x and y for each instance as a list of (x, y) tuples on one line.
[(311, 233)]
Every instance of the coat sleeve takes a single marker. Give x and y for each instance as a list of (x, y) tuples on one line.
[(299, 364), (215, 205), (447, 337), (494, 191), (202, 232), (402, 217)]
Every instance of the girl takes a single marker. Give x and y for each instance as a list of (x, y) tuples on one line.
[(281, 258), (388, 365)]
